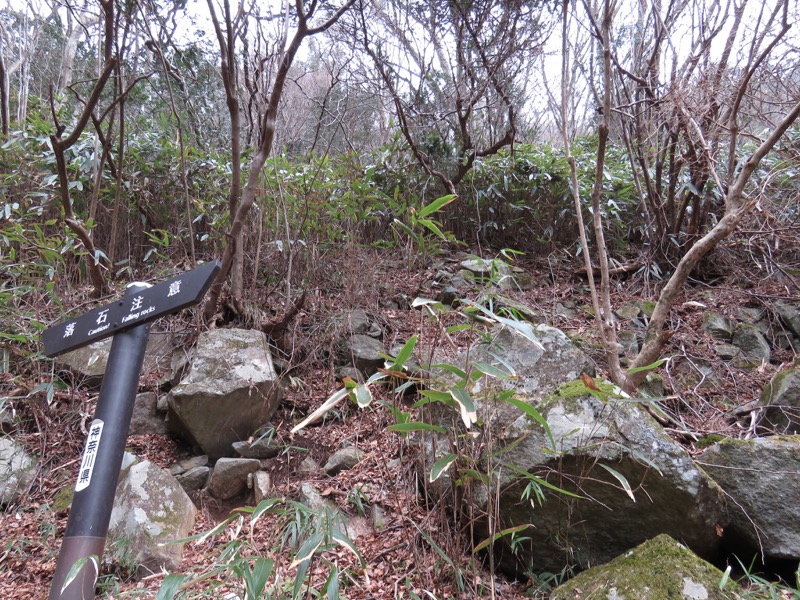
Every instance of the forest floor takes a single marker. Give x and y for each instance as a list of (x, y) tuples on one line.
[(419, 549)]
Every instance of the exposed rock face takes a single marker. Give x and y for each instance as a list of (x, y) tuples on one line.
[(363, 352), (672, 495), (145, 417), (342, 460), (781, 399), (151, 510), (229, 477), (230, 390), (17, 468), (658, 569), (754, 347), (88, 364), (762, 477)]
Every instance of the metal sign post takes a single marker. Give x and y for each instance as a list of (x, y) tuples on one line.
[(128, 320)]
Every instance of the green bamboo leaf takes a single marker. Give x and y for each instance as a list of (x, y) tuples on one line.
[(542, 482), (77, 567), (436, 205), (493, 371), (622, 480), (363, 396), (431, 226), (308, 549), (170, 587), (332, 584), (416, 426), (498, 535), (441, 465), (466, 406), (405, 352), (649, 367), (534, 414), (345, 542)]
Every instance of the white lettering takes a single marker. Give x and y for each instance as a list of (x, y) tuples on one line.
[(99, 329)]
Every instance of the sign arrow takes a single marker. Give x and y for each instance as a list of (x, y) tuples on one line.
[(145, 305)]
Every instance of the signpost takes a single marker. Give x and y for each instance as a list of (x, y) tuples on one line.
[(128, 320)]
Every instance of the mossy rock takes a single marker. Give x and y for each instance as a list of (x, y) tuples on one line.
[(659, 569)]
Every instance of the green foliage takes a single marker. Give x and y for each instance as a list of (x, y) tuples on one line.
[(302, 533)]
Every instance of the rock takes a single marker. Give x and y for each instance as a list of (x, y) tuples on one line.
[(755, 348), (194, 479), (308, 466), (521, 310), (356, 322), (694, 372), (749, 314), (145, 417), (151, 511), (494, 272), (718, 326), (781, 399), (162, 404), (17, 469), (229, 477), (262, 486), (790, 315), (363, 352), (188, 464), (629, 311), (342, 460), (727, 351), (566, 309), (672, 494), (261, 447), (658, 569), (310, 496), (762, 477), (231, 385), (87, 365), (629, 342)]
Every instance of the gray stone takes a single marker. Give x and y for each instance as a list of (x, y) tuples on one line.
[(363, 352), (718, 326), (519, 309), (151, 511), (17, 469), (672, 495), (748, 314), (494, 272), (629, 342), (145, 417), (566, 310), (629, 311), (790, 315), (727, 351), (755, 348), (162, 404), (229, 477), (262, 486), (781, 399), (231, 385), (87, 365), (260, 448), (308, 466), (343, 460), (658, 569), (310, 496), (194, 479), (188, 464), (762, 477)]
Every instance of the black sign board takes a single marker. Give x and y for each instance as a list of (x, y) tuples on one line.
[(134, 309)]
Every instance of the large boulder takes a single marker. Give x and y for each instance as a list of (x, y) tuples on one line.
[(762, 477), (231, 389), (17, 468), (781, 402), (658, 569), (87, 365), (151, 512), (601, 444), (145, 417), (633, 481)]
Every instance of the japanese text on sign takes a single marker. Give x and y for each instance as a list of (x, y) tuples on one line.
[(89, 455)]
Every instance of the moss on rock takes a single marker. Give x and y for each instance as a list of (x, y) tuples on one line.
[(659, 569)]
